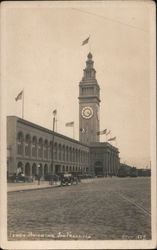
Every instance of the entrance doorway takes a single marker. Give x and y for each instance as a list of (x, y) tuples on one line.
[(57, 169), (98, 168), (27, 169)]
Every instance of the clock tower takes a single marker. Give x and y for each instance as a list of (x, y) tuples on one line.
[(89, 104)]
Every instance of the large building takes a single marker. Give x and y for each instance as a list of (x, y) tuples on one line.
[(33, 149)]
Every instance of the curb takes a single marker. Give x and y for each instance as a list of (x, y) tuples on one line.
[(31, 189), (40, 187)]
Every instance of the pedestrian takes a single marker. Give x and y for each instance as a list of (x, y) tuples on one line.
[(51, 180), (38, 176)]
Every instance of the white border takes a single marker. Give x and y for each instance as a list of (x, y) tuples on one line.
[(149, 244)]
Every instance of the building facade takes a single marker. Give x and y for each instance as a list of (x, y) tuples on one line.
[(104, 159), (33, 149), (37, 150)]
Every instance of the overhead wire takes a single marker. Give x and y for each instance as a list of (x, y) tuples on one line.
[(110, 19)]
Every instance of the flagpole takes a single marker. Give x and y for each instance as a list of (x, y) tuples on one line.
[(23, 105), (110, 142), (56, 122), (52, 144), (74, 132)]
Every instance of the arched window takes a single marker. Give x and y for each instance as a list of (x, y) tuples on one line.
[(76, 155), (79, 155), (27, 169), (40, 148), (50, 150), (51, 168), (70, 154), (46, 149), (83, 156), (67, 153), (87, 157), (73, 154), (34, 146), (59, 152), (63, 153), (20, 140), (27, 145), (34, 169), (45, 169), (19, 168)]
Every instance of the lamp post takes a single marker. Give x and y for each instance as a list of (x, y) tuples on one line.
[(38, 176), (54, 115), (38, 167)]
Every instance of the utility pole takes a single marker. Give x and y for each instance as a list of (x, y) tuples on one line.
[(53, 140), (54, 114)]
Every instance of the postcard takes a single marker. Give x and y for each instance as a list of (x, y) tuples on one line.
[(78, 164)]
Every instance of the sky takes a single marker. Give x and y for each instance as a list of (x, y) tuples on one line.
[(44, 56)]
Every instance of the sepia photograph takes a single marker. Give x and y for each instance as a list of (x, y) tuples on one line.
[(78, 166)]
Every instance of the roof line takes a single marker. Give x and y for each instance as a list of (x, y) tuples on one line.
[(47, 130)]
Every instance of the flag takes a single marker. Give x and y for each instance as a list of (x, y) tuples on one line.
[(85, 41), (19, 96), (69, 124), (102, 132), (112, 139), (82, 130), (108, 132), (55, 112)]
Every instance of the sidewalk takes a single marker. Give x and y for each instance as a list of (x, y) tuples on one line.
[(20, 186), (24, 186)]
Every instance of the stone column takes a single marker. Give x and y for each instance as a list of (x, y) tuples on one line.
[(108, 162), (114, 170), (105, 163), (30, 169), (24, 163), (115, 165)]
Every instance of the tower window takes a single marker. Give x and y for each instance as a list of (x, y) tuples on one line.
[(88, 91)]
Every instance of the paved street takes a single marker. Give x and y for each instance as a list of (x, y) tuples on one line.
[(99, 209)]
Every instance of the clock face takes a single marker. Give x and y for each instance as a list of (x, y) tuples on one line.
[(87, 112)]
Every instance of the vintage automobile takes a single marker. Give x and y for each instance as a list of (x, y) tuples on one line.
[(68, 179)]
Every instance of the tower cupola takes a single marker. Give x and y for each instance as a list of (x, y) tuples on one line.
[(89, 71)]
